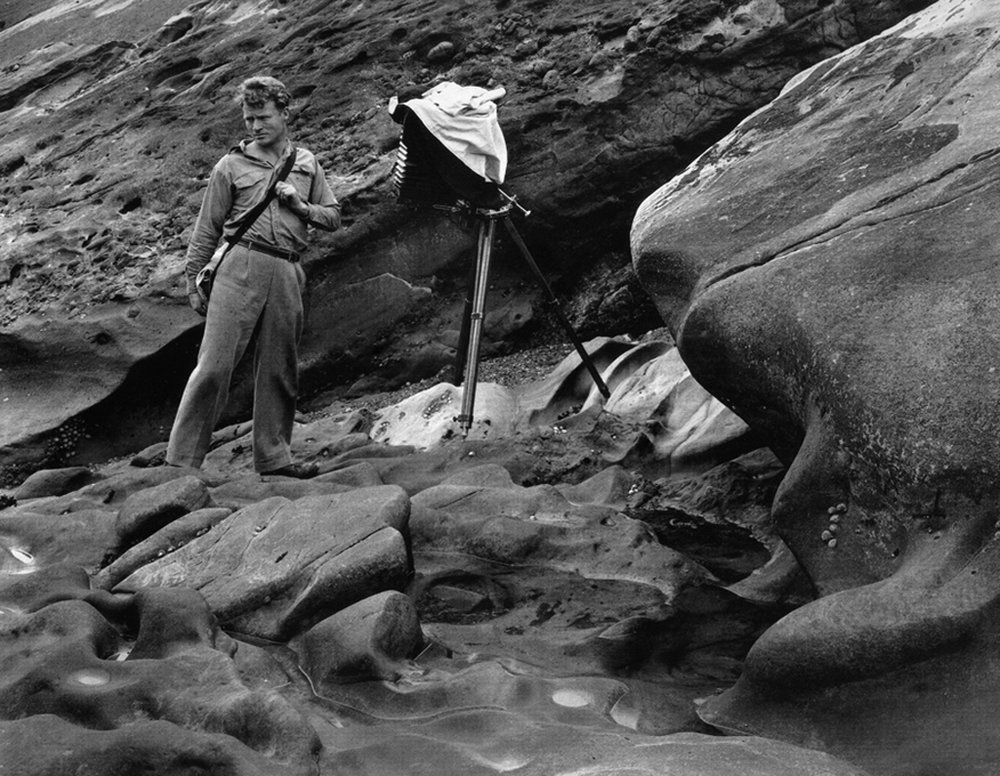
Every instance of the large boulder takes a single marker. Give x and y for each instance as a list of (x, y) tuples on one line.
[(829, 270)]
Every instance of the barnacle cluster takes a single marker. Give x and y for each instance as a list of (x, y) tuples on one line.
[(64, 443), (835, 514)]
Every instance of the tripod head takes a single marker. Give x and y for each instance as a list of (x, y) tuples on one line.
[(466, 209)]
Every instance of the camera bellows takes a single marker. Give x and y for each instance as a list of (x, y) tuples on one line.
[(415, 180), (427, 173)]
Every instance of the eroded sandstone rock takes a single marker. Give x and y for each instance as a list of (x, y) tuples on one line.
[(662, 413), (433, 416), (175, 693), (176, 534), (547, 658), (45, 742), (372, 638), (829, 271), (35, 539), (482, 512), (146, 512), (274, 568), (54, 482)]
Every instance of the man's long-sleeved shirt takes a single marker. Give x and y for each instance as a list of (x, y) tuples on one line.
[(238, 181)]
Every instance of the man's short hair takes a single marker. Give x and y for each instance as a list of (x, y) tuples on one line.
[(259, 89)]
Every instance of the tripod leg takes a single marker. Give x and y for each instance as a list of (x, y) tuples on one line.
[(463, 332), (580, 349), (487, 231)]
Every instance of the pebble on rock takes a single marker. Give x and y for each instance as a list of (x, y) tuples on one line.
[(441, 52)]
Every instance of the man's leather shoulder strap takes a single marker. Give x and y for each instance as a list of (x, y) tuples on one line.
[(286, 168)]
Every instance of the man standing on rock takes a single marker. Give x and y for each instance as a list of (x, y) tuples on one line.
[(258, 287)]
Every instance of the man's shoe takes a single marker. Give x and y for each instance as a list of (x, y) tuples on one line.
[(301, 471)]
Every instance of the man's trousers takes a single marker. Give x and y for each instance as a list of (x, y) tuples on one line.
[(255, 296)]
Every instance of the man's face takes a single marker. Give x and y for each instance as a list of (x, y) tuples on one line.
[(266, 123)]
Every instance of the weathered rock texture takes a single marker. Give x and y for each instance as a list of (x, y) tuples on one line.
[(830, 270), (664, 417), (110, 132), (171, 699), (450, 610), (276, 567)]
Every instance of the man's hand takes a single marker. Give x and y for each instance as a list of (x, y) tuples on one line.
[(290, 198), (194, 299)]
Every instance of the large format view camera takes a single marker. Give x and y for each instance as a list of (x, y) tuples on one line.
[(452, 156)]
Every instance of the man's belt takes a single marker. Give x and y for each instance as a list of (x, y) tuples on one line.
[(270, 250)]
